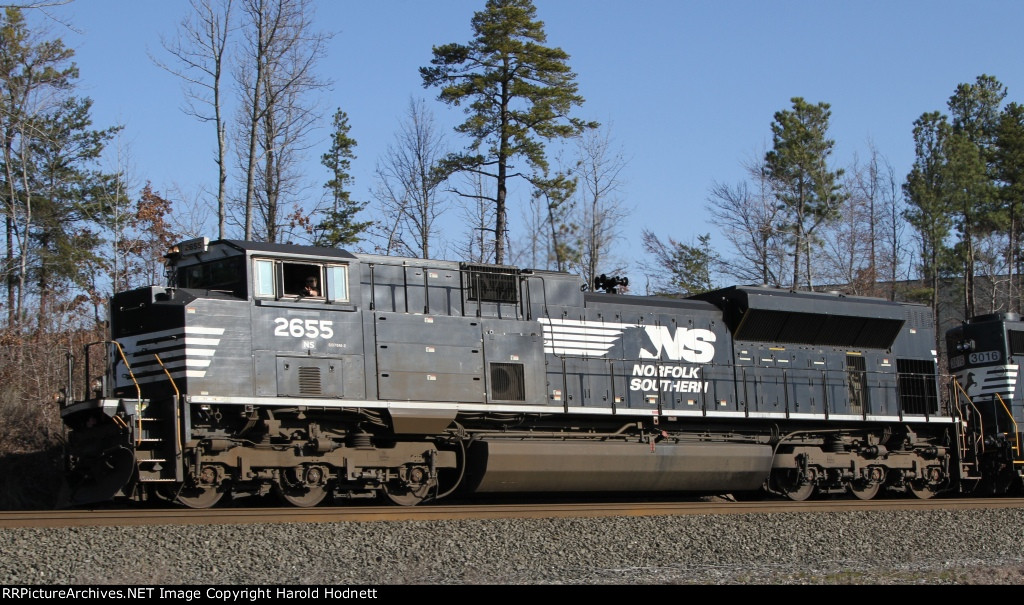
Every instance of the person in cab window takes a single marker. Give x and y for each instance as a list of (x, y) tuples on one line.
[(310, 288)]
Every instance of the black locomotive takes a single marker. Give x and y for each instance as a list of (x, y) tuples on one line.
[(410, 380), (984, 357)]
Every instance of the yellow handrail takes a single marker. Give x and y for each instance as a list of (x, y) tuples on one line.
[(977, 413), (177, 398), (1010, 414), (138, 392)]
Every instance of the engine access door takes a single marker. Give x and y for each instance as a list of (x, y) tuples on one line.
[(429, 357)]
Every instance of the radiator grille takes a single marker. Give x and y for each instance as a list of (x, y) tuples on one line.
[(507, 382), (491, 284), (309, 381), (1016, 338)]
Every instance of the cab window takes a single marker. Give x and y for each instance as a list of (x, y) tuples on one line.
[(225, 275), (337, 283), (280, 279), (297, 276), (264, 276)]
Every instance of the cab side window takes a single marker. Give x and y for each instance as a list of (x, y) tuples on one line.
[(337, 283), (263, 272), (302, 280), (278, 279)]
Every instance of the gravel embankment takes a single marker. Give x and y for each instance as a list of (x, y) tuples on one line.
[(984, 546)]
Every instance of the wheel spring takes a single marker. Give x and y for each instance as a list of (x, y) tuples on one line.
[(362, 441)]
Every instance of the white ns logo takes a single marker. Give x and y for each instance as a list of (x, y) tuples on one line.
[(688, 344)]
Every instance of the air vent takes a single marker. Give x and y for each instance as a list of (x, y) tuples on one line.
[(309, 381), (917, 386), (507, 383), (1016, 338), (491, 283)]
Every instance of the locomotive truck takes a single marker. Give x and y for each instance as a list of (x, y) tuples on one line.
[(408, 380)]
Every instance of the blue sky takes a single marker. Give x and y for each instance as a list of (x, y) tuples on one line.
[(689, 87)]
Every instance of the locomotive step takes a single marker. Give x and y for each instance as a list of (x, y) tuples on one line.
[(146, 478)]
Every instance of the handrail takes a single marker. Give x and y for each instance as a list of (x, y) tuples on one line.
[(138, 392), (977, 412), (177, 398), (1010, 414)]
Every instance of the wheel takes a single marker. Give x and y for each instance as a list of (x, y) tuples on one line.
[(921, 489), (403, 495), (789, 484), (1008, 482), (199, 497), (203, 491), (867, 487), (927, 485), (864, 490), (303, 487), (305, 497), (98, 479)]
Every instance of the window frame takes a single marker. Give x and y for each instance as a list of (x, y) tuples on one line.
[(332, 279)]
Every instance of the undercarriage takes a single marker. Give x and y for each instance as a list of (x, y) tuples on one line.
[(309, 455)]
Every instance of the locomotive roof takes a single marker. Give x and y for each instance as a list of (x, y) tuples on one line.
[(285, 248), (831, 303), (764, 314)]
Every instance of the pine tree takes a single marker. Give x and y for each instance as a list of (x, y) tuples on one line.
[(797, 165), (969, 180), (928, 210), (340, 227), (517, 93), (1010, 174)]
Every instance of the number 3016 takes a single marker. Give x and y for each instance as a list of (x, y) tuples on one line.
[(303, 328), (984, 357)]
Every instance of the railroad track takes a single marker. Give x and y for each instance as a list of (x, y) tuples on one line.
[(242, 515)]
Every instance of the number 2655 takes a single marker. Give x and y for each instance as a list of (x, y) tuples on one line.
[(303, 328)]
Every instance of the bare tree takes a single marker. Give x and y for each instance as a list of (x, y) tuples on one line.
[(894, 252), (748, 216), (478, 243), (113, 214), (274, 76), (409, 183), (200, 53), (847, 244), (685, 269), (864, 246), (600, 208), (533, 249), (556, 196)]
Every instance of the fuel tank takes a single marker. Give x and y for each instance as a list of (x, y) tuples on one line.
[(557, 466)]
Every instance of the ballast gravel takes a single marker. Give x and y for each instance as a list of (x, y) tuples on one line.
[(981, 546)]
